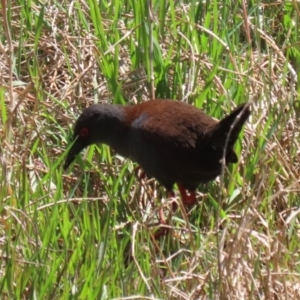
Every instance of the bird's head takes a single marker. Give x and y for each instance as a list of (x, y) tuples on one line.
[(96, 124)]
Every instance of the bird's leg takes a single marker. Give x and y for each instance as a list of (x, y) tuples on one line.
[(186, 199), (139, 172), (162, 220), (171, 194)]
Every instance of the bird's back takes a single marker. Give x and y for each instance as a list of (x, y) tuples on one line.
[(172, 142)]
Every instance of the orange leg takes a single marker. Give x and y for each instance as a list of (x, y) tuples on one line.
[(186, 199), (162, 220), (139, 173)]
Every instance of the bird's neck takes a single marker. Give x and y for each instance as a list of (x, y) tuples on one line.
[(115, 130)]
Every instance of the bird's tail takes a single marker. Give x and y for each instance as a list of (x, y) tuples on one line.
[(225, 133)]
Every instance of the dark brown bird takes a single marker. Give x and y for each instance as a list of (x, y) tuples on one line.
[(172, 141)]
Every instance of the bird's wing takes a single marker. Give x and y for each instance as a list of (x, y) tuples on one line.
[(170, 135)]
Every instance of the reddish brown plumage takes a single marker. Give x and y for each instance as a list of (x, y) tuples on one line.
[(172, 141)]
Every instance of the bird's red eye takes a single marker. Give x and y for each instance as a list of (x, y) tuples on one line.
[(84, 131)]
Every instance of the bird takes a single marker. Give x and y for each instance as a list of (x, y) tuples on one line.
[(172, 141)]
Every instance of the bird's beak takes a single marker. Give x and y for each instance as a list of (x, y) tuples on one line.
[(76, 148)]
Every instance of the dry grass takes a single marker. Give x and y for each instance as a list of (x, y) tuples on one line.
[(85, 234)]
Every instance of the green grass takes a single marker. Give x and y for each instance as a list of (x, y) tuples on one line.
[(88, 233)]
